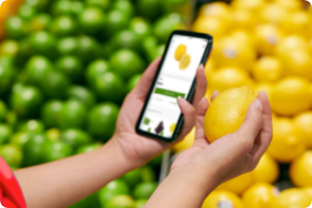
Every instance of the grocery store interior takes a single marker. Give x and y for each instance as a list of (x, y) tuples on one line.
[(66, 67)]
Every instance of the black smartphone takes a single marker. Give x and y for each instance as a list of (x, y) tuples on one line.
[(161, 117)]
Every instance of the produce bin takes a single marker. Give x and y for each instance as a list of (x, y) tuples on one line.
[(66, 74), (51, 53), (265, 45)]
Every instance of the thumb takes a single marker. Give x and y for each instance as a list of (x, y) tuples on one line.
[(146, 80), (252, 125), (189, 113)]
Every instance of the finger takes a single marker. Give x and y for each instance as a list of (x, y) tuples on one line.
[(263, 97), (214, 95), (146, 80), (201, 85), (200, 137), (188, 112), (251, 127), (264, 139)]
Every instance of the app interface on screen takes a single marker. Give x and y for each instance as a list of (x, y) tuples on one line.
[(175, 79)]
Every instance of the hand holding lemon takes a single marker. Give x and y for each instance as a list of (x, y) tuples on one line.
[(237, 124), (227, 112), (230, 138)]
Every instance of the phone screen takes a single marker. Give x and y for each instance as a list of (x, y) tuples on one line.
[(175, 79)]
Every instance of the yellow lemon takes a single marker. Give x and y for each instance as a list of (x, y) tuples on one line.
[(310, 44), (267, 170), (291, 42), (267, 69), (291, 96), (297, 62), (217, 27), (300, 170), (244, 19), (185, 61), (267, 38), (228, 52), (260, 195), (180, 52), (298, 22), (244, 36), (308, 190), (216, 9), (252, 84), (218, 199), (227, 112), (266, 87), (186, 143), (291, 5), (292, 198), (273, 14), (226, 78), (303, 122), (295, 54), (172, 127), (209, 67), (253, 6), (286, 145), (208, 94), (238, 185)]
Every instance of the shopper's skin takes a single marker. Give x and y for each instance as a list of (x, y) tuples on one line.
[(197, 171), (194, 174)]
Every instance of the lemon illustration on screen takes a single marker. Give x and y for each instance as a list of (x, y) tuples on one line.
[(185, 61), (172, 127), (180, 52)]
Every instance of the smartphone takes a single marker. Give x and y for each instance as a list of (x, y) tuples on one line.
[(161, 117)]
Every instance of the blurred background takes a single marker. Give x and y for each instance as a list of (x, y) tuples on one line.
[(66, 66)]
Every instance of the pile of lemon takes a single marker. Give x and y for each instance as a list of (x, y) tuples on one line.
[(267, 45)]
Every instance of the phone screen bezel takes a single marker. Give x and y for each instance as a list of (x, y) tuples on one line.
[(190, 94)]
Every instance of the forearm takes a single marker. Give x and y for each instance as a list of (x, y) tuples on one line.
[(181, 190), (62, 183)]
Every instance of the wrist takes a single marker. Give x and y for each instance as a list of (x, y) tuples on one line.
[(196, 177), (181, 185), (128, 162)]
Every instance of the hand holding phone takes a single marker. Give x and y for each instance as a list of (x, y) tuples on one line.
[(161, 117)]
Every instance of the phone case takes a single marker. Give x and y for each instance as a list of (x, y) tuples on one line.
[(180, 122)]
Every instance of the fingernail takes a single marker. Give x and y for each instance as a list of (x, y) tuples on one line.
[(180, 99), (204, 99), (258, 104), (262, 92), (201, 66), (215, 92)]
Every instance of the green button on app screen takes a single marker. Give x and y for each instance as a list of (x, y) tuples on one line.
[(168, 93)]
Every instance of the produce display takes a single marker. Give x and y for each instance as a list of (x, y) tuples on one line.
[(65, 68), (266, 46)]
